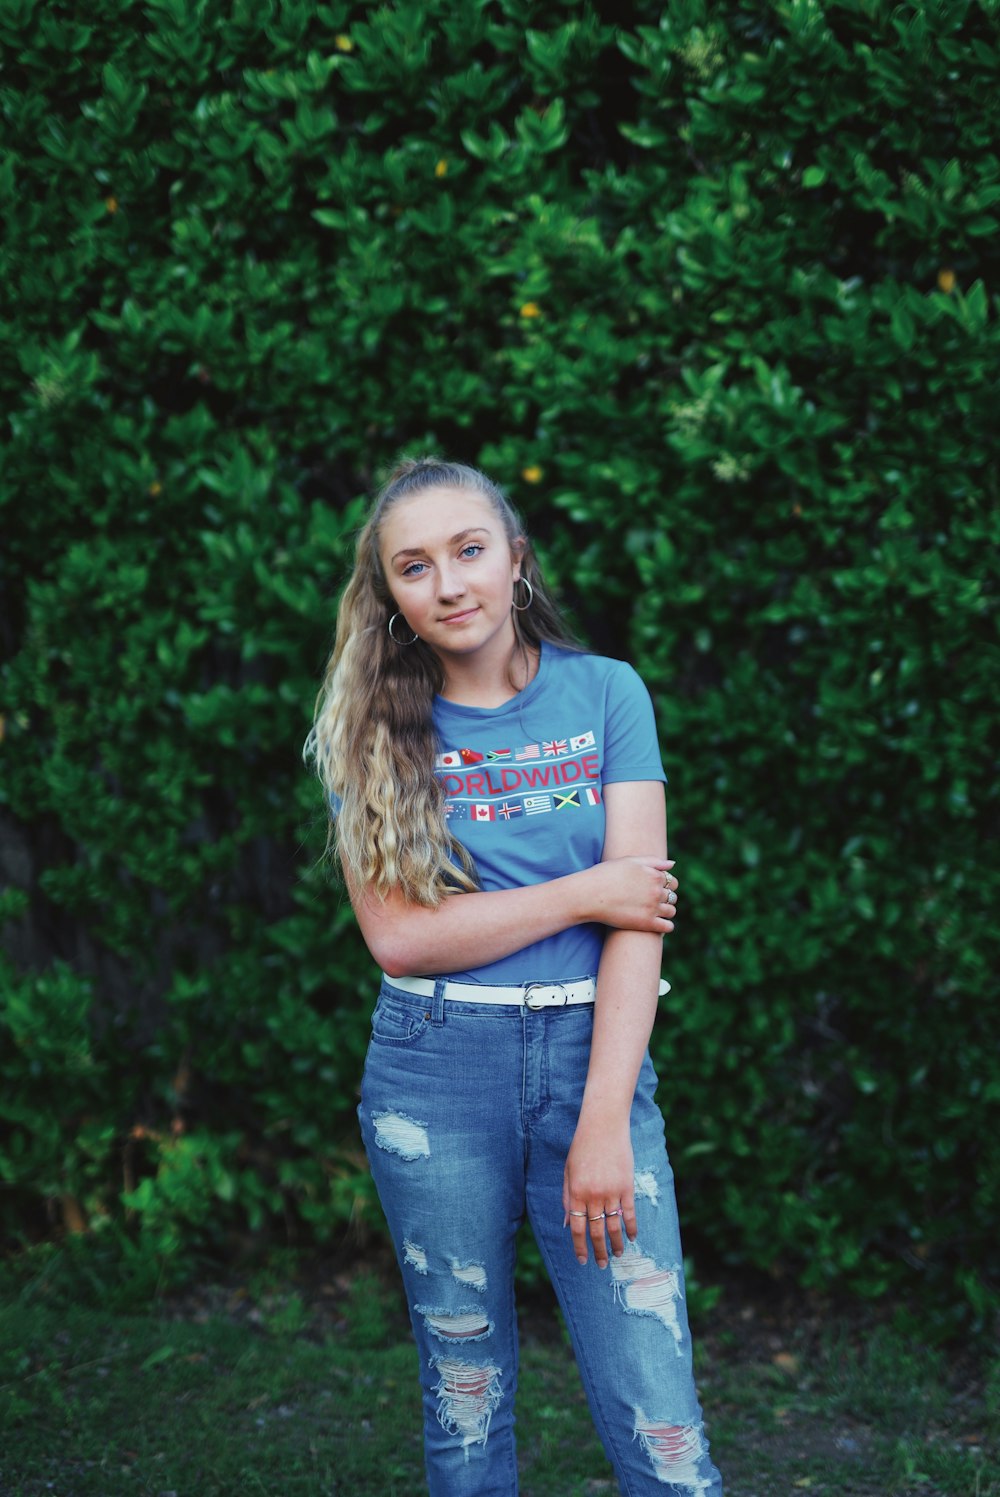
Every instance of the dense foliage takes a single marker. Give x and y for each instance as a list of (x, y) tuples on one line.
[(714, 294)]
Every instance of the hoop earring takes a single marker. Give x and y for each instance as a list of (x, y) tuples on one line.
[(392, 636), (523, 607)]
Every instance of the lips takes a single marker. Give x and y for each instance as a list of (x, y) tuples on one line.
[(459, 618)]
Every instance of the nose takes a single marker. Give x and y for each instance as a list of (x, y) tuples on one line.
[(450, 583)]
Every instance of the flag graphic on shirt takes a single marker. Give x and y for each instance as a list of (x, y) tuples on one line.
[(567, 798), (585, 740), (456, 810), (508, 809), (592, 795), (535, 804), (451, 760), (469, 756), (493, 754), (555, 746), (483, 811), (530, 751)]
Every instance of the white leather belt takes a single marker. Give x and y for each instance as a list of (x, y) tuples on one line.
[(533, 995)]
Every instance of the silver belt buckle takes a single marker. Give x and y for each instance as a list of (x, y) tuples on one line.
[(544, 995)]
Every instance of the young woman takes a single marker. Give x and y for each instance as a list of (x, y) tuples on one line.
[(499, 814)]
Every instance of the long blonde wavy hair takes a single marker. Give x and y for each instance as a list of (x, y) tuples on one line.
[(373, 735)]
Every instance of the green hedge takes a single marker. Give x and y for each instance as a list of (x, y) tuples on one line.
[(714, 294)]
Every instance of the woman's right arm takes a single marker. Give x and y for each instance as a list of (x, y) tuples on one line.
[(470, 930)]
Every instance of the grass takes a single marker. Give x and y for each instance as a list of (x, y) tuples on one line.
[(870, 1413), (286, 1384)]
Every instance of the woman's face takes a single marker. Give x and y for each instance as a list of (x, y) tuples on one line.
[(451, 571)]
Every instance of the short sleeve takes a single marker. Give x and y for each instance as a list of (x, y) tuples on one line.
[(631, 745)]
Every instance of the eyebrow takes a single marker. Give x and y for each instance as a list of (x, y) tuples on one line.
[(458, 536)]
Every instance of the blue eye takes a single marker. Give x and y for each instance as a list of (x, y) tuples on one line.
[(467, 553)]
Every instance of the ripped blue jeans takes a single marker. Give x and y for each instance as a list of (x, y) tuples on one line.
[(467, 1113)]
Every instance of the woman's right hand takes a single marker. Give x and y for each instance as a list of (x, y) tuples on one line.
[(634, 893)]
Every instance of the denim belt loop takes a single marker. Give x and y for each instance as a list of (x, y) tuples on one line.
[(437, 1002)]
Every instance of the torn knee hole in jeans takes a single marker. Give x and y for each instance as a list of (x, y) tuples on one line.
[(467, 1395), (414, 1255), (473, 1274), (647, 1187), (456, 1325), (643, 1288), (675, 1451)]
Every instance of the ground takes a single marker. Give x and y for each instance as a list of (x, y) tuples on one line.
[(297, 1378)]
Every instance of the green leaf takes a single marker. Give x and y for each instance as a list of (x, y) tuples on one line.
[(155, 1358)]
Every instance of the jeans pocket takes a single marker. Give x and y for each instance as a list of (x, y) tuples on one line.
[(397, 1023)]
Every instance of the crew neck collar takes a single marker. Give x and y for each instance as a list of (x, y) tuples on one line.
[(513, 704)]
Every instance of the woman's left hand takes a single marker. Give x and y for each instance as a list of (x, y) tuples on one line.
[(599, 1188)]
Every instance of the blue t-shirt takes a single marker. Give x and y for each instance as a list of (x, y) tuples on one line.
[(523, 784)]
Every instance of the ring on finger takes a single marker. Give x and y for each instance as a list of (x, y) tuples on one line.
[(598, 1218), (578, 1213), (618, 1211)]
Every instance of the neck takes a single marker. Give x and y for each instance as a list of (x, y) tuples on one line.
[(489, 683)]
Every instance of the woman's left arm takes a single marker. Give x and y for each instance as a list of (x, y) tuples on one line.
[(599, 1168)]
